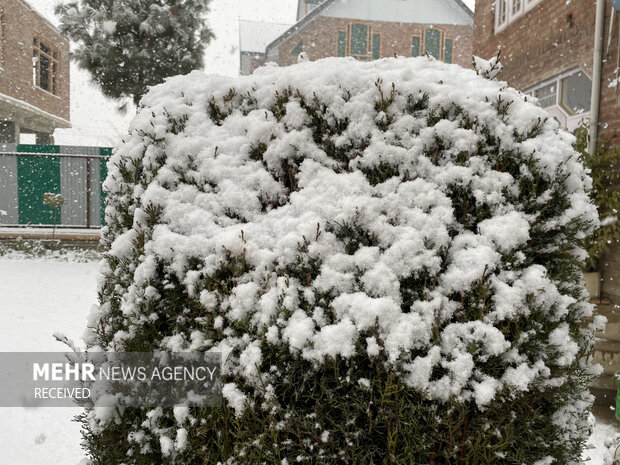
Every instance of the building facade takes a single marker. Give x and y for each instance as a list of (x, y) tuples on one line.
[(369, 30), (547, 51), (34, 74)]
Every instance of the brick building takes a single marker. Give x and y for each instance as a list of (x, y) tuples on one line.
[(368, 30), (547, 51), (34, 74)]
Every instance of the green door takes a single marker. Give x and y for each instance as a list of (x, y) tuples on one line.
[(36, 176)]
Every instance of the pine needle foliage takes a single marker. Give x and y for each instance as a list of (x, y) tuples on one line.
[(128, 45), (269, 216), (604, 166)]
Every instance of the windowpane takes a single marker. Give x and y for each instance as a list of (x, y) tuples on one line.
[(44, 72), (576, 90), (359, 39), (44, 48), (376, 46), (415, 47), (432, 41), (298, 48), (516, 6), (447, 57), (53, 77), (546, 95), (501, 11), (342, 43)]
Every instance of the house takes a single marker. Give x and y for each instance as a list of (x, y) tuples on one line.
[(547, 51), (368, 30), (254, 36), (34, 74)]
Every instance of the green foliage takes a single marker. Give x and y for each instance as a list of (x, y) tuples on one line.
[(360, 409), (604, 165), (129, 45)]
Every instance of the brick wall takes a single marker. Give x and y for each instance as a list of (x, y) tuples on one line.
[(20, 25), (320, 39), (555, 36), (609, 115)]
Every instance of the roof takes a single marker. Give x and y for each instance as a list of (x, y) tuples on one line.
[(314, 13), (254, 36)]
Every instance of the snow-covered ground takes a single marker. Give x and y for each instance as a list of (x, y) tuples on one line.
[(40, 297)]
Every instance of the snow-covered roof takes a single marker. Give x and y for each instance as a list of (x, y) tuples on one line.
[(402, 11), (254, 36)]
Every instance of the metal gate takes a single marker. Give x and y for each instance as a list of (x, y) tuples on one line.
[(27, 172)]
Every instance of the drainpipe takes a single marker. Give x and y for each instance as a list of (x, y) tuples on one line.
[(596, 74)]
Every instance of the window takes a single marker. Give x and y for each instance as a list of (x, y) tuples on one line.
[(298, 48), (342, 43), (500, 14), (358, 41), (45, 66), (415, 46), (576, 90), (434, 43), (546, 95), (507, 11), (376, 46), (447, 51), (566, 97)]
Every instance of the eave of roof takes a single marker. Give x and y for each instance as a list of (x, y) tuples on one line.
[(47, 21), (298, 25)]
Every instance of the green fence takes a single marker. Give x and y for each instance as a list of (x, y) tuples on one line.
[(27, 172)]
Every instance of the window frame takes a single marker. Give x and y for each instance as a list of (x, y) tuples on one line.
[(299, 45), (557, 110), (347, 36), (512, 12), (53, 71), (442, 44)]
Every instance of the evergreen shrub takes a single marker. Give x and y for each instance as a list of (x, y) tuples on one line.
[(603, 164), (388, 255)]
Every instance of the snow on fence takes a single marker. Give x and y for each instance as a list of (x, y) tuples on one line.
[(27, 172)]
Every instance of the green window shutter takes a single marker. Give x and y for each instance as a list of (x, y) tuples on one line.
[(432, 42), (415, 47), (376, 46), (447, 56), (359, 39), (298, 48), (342, 43)]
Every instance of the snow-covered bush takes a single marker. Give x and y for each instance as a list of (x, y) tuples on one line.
[(387, 254)]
